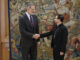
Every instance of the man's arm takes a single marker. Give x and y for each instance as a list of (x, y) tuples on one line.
[(22, 28), (48, 33), (64, 39)]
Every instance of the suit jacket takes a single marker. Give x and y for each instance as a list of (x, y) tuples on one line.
[(59, 37), (27, 30)]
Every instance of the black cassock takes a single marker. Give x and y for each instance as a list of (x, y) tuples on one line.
[(59, 40)]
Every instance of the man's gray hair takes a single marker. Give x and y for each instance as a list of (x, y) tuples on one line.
[(29, 5)]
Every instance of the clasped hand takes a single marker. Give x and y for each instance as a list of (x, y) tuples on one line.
[(36, 36)]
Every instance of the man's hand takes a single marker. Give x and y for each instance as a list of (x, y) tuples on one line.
[(61, 53), (36, 36)]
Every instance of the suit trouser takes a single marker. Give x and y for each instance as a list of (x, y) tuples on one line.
[(56, 55), (29, 53)]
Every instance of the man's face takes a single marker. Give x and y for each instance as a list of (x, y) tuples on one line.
[(32, 10), (56, 19)]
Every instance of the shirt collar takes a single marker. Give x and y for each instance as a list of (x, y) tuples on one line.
[(28, 15)]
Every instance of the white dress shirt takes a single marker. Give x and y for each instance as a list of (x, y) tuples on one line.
[(28, 15)]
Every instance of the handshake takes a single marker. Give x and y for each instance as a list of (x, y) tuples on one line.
[(36, 36)]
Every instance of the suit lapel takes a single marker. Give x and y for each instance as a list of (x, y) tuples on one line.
[(29, 23), (27, 20)]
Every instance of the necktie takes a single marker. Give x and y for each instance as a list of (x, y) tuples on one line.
[(31, 20)]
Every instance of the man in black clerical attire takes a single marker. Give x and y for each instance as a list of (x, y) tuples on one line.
[(59, 38)]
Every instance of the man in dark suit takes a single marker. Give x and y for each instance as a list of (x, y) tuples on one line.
[(59, 38), (28, 25)]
